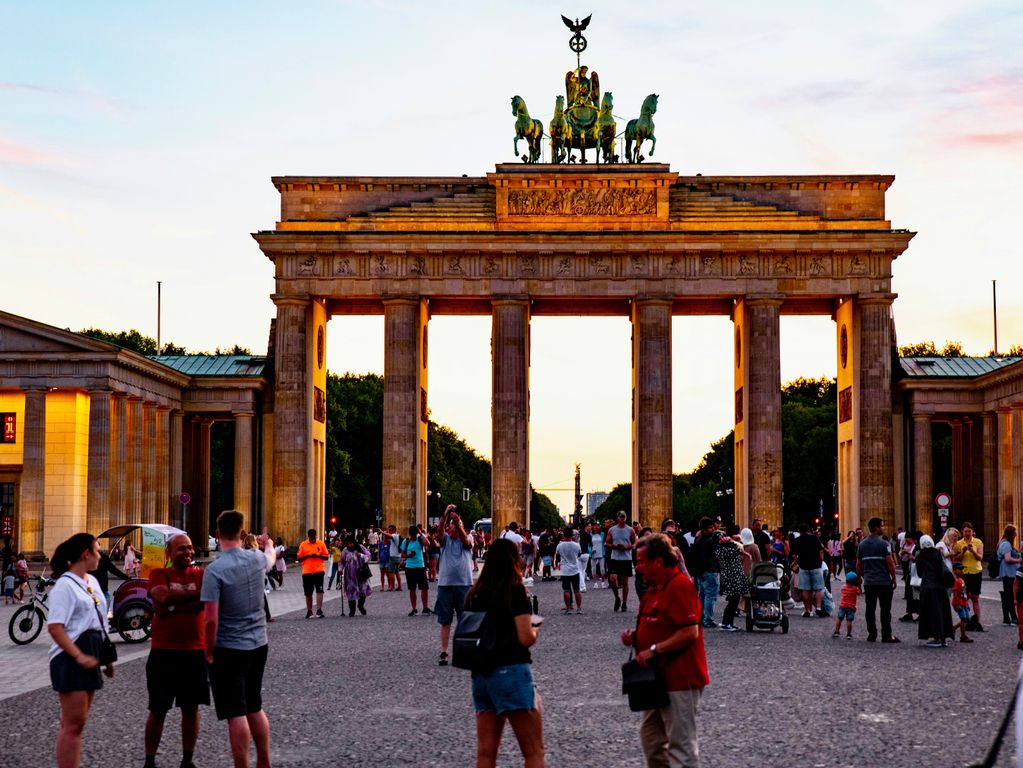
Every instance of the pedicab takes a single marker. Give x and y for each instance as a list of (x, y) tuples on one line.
[(132, 607)]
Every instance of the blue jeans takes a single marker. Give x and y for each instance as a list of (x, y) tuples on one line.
[(707, 589)]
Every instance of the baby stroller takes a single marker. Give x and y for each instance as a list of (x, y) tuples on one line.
[(766, 610)]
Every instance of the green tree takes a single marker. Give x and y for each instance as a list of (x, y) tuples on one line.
[(542, 511), (452, 467), (928, 349), (354, 451)]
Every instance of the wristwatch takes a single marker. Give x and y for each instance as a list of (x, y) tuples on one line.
[(653, 649)]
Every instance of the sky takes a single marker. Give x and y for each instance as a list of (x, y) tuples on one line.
[(137, 142)]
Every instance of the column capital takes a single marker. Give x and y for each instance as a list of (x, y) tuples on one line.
[(401, 299), (36, 390), (101, 391), (866, 299), (161, 407), (243, 414), (284, 300), (921, 417), (652, 299), (509, 299), (764, 300)]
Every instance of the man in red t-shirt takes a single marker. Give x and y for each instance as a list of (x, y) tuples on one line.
[(669, 635), (176, 669)]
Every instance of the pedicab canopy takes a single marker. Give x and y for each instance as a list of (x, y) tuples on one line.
[(154, 543)]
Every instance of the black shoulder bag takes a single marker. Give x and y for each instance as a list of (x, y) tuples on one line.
[(107, 650), (645, 686)]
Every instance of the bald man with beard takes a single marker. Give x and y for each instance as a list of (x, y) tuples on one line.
[(176, 670)]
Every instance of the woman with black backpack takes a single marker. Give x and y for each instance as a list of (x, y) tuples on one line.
[(502, 680)]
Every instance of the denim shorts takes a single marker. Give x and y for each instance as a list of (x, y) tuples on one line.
[(963, 613), (504, 690), (811, 579), (846, 614), (450, 600)]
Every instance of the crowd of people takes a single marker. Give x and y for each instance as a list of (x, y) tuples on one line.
[(209, 624)]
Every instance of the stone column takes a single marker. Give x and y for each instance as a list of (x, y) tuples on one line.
[(989, 470), (651, 411), (201, 521), (875, 410), (404, 410), (1003, 469), (1017, 465), (177, 459), (149, 489), (243, 463), (118, 458), (292, 418), (98, 505), (33, 474), (510, 411), (923, 486), (763, 410), (163, 502), (133, 427)]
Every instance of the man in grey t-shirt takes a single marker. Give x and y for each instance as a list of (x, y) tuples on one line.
[(874, 562), (454, 576), (236, 644)]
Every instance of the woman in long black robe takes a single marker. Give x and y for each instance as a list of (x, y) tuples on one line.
[(935, 622)]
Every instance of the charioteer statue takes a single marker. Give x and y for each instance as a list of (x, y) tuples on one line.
[(583, 117)]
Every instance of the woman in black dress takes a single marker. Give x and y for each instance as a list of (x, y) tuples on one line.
[(935, 624)]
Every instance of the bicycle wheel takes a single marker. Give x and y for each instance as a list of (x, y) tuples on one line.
[(26, 624), (134, 622)]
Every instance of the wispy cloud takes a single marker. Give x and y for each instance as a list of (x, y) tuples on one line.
[(22, 154), (99, 100), (996, 139)]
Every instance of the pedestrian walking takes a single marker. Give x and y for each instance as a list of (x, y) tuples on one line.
[(280, 568), (668, 635), (502, 686), (335, 564), (970, 550), (620, 540), (77, 625), (176, 671), (392, 541), (567, 557), (528, 549), (454, 576), (847, 605), (1008, 565), (734, 562), (961, 602), (351, 560), (874, 561), (807, 555), (413, 553), (935, 622), (705, 568), (597, 555), (236, 641), (313, 556)]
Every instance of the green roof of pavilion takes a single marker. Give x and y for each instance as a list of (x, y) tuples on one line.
[(954, 367), (214, 365)]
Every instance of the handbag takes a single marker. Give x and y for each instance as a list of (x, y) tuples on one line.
[(914, 578), (107, 650), (644, 686), (363, 573), (948, 578)]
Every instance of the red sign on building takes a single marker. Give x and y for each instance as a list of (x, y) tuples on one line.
[(10, 427)]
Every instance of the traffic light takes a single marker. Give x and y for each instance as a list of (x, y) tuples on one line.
[(333, 520)]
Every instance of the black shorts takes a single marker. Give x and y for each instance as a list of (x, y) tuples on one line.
[(67, 675), (177, 678), (569, 584), (621, 567), (237, 681), (415, 578), (312, 581), (973, 582)]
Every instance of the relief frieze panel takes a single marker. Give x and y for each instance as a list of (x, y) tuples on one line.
[(582, 202)]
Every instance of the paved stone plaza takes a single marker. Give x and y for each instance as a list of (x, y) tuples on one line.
[(367, 692)]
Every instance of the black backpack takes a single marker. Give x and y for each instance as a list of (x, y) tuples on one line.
[(475, 641), (993, 566)]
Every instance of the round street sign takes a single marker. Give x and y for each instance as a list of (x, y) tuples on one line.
[(185, 497), (943, 500)]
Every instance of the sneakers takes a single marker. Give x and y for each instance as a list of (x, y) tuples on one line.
[(319, 615), (427, 612), (710, 624), (443, 660), (578, 610), (308, 614), (728, 628), (806, 614), (836, 634), (849, 636), (935, 644), (822, 614), (891, 639), (625, 607), (413, 612)]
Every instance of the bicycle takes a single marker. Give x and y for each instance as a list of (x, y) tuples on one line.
[(29, 620)]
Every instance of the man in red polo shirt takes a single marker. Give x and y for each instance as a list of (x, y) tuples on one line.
[(176, 669), (669, 635)]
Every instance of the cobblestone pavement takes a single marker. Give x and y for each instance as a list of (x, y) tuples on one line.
[(366, 691)]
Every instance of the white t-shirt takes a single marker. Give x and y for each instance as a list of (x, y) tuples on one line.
[(945, 554), (569, 552), (71, 605), (513, 537)]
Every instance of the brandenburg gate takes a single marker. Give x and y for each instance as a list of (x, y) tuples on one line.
[(632, 239)]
